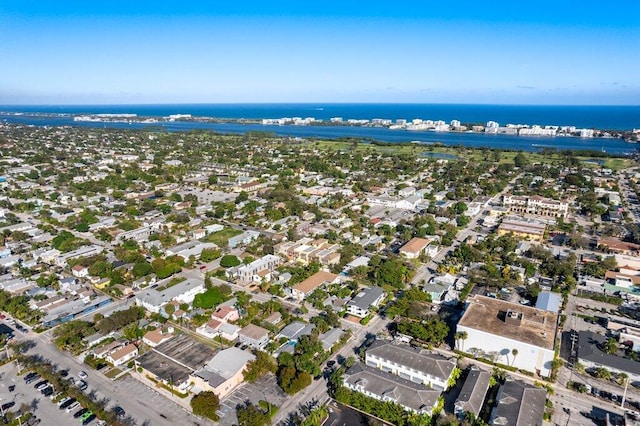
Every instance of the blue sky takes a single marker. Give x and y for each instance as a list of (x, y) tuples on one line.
[(506, 52)]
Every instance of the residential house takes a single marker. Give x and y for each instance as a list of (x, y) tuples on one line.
[(254, 336), (226, 314), (209, 329), (184, 292), (414, 248), (330, 338), (243, 239), (519, 404), (123, 355), (294, 330), (362, 303), (306, 287), (473, 392), (80, 271), (158, 336)]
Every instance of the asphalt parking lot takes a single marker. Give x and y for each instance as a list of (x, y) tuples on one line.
[(153, 401), (41, 406), (264, 388)]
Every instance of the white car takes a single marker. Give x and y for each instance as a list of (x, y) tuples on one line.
[(72, 407), (82, 375), (63, 400)]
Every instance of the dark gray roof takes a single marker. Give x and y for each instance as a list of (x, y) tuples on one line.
[(186, 351), (404, 392), (211, 377), (519, 404), (418, 359), (473, 391), (366, 297), (589, 350), (164, 367)]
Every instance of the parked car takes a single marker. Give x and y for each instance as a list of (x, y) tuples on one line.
[(8, 405), (120, 413), (89, 419), (30, 376), (82, 385), (41, 385), (80, 413), (72, 407), (47, 391), (63, 401), (32, 379), (86, 415), (82, 375), (67, 403)]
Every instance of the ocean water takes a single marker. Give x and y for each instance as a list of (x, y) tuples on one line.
[(601, 117)]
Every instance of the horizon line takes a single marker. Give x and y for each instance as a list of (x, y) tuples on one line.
[(312, 103)]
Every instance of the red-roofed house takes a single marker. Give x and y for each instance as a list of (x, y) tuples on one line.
[(225, 314)]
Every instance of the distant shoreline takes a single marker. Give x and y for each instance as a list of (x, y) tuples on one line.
[(455, 126), (621, 117)]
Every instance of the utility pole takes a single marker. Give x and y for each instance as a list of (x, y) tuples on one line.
[(624, 395)]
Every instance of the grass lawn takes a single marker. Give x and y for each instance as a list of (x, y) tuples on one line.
[(113, 373), (470, 154), (220, 238)]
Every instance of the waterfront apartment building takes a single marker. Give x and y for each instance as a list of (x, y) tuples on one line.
[(535, 205)]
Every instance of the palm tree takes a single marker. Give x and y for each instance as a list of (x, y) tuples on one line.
[(611, 346), (463, 336), (622, 378), (514, 352), (456, 338)]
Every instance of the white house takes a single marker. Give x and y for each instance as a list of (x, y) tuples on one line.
[(361, 304), (184, 292), (123, 355)]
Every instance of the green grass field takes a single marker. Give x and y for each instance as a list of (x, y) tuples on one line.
[(469, 154), (220, 238)]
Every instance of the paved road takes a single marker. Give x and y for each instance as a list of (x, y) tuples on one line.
[(424, 272), (317, 391)]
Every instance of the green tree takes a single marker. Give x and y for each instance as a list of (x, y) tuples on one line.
[(206, 404), (520, 160), (229, 261), (263, 364), (602, 373), (611, 346), (250, 415), (169, 308), (514, 352)]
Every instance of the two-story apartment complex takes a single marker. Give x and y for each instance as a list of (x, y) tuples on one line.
[(416, 365), (535, 205)]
